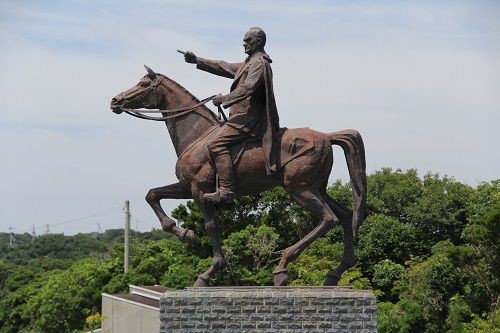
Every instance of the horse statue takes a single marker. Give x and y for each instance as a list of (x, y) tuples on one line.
[(306, 161)]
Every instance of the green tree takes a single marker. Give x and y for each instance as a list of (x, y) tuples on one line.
[(440, 212), (251, 254), (392, 192), (386, 274), (63, 303), (382, 237)]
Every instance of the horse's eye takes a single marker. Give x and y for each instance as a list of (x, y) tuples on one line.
[(145, 83)]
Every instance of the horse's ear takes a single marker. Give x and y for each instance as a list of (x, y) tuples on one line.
[(150, 71)]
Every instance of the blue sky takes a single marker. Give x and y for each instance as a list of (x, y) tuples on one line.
[(419, 80)]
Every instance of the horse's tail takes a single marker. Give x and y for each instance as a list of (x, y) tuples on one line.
[(354, 150)]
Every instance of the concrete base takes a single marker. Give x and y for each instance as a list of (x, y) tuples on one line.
[(136, 312), (268, 309)]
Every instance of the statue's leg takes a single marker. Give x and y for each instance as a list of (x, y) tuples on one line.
[(173, 191), (219, 149), (218, 261), (316, 203), (348, 258)]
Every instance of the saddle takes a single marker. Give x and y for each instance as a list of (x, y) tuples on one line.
[(290, 144)]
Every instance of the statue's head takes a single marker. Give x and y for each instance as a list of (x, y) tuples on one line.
[(254, 40)]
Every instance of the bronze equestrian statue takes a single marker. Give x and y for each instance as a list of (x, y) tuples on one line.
[(248, 154)]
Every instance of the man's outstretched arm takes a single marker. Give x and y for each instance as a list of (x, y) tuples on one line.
[(217, 67)]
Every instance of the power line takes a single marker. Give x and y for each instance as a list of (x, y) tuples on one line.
[(107, 211), (33, 233)]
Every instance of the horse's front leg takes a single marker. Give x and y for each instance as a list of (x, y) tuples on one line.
[(172, 191), (212, 229)]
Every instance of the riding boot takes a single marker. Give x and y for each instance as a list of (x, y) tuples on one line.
[(224, 168)]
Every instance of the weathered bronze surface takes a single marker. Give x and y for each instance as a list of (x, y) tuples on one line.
[(263, 155)]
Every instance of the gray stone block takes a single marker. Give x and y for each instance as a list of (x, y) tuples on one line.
[(295, 325), (218, 324), (268, 310), (278, 324), (263, 324), (234, 325), (325, 325), (257, 317), (309, 309), (248, 325), (203, 325), (263, 309), (309, 325), (188, 324)]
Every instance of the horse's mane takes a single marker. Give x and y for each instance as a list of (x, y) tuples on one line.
[(180, 87), (212, 114)]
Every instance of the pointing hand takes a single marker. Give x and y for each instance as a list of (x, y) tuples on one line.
[(190, 57)]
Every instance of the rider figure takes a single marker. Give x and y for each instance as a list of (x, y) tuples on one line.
[(252, 110)]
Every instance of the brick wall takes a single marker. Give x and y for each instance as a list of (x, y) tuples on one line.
[(268, 309)]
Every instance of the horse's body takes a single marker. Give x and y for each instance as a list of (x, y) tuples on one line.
[(306, 160)]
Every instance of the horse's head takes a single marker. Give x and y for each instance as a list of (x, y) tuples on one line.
[(143, 95)]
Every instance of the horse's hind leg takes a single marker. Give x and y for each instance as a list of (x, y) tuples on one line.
[(173, 191), (348, 258), (315, 202)]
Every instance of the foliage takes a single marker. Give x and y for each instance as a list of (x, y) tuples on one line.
[(311, 267), (385, 274), (250, 255), (383, 237), (490, 324), (68, 298), (93, 321)]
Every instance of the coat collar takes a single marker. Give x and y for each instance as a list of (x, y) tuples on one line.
[(241, 70), (262, 54)]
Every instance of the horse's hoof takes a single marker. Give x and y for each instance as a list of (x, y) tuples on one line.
[(167, 225), (280, 277), (201, 282), (331, 280)]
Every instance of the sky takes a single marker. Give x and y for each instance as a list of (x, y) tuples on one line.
[(419, 80)]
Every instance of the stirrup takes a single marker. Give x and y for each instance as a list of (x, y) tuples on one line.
[(221, 195)]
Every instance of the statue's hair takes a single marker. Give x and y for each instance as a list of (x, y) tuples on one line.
[(260, 34)]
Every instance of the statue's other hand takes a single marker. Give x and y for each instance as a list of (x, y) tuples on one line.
[(217, 100), (190, 57)]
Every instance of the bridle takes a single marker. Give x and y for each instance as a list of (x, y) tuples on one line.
[(174, 113)]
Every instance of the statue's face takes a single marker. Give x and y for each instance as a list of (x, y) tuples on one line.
[(251, 42)]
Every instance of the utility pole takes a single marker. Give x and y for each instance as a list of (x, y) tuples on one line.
[(47, 229), (126, 257), (11, 237), (99, 230), (33, 234)]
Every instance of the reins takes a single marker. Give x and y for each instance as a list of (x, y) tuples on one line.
[(177, 111)]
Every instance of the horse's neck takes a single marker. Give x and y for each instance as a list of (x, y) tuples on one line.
[(184, 130)]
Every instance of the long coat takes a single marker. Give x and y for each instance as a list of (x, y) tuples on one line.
[(251, 100)]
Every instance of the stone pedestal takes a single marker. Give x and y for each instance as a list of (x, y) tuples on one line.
[(268, 309)]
